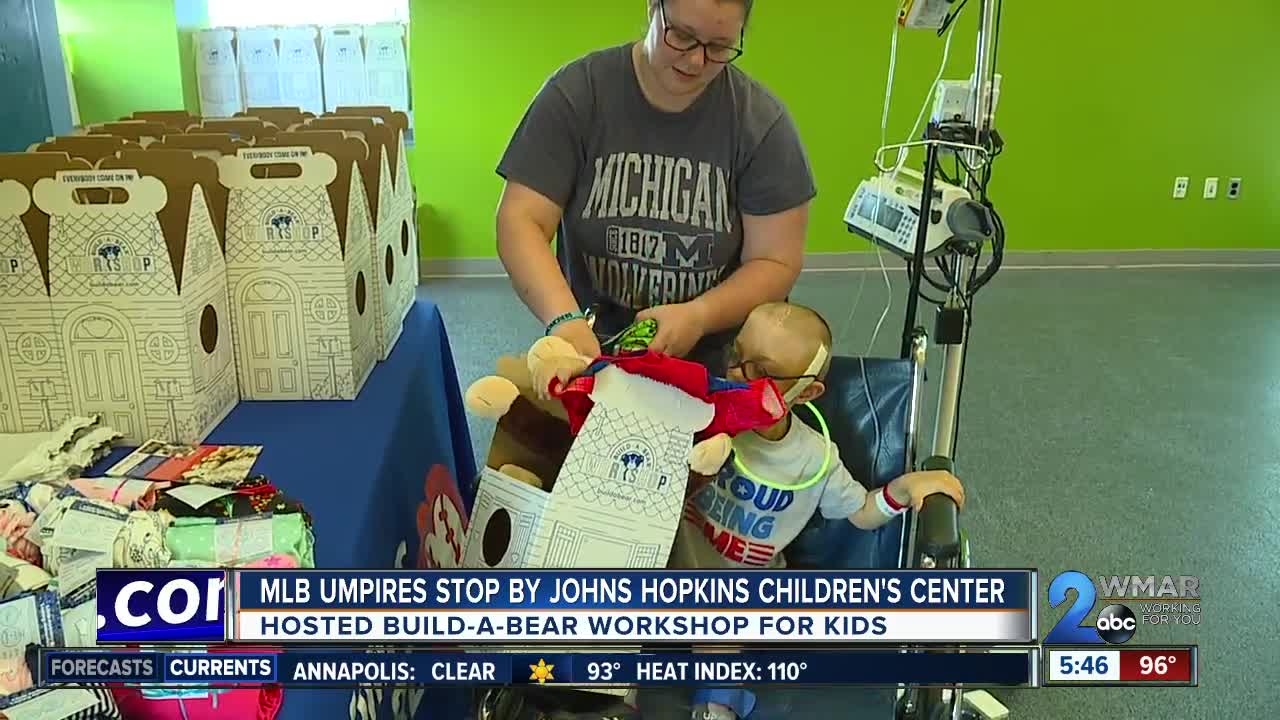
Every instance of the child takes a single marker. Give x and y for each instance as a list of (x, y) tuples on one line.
[(736, 522)]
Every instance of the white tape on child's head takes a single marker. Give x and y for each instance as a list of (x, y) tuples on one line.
[(819, 359)]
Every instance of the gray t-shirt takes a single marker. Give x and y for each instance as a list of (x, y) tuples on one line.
[(653, 201)]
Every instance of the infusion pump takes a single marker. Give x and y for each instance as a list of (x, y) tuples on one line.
[(886, 211)]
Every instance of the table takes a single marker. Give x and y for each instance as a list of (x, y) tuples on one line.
[(369, 471)]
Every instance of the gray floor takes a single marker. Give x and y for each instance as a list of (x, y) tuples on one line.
[(1114, 421)]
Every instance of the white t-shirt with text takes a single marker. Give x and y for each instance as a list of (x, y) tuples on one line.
[(734, 522)]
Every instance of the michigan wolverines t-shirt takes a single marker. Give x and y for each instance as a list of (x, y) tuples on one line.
[(653, 201), (735, 522)]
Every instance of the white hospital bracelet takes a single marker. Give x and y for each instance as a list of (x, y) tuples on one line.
[(886, 504)]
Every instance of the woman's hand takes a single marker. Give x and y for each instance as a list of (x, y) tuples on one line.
[(680, 327), (580, 336), (912, 488)]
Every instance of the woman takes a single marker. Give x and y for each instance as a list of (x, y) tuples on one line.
[(679, 187)]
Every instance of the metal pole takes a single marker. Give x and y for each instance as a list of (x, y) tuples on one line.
[(944, 433), (917, 259)]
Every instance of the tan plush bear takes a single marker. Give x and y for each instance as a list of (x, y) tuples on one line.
[(552, 357)]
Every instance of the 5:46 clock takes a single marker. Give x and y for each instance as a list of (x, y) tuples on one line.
[(1084, 665)]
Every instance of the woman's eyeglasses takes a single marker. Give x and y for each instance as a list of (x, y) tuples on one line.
[(683, 41)]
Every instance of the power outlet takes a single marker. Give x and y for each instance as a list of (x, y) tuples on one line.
[(1180, 185), (1233, 189), (1210, 188)]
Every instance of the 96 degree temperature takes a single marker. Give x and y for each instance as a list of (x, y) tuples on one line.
[(1156, 664), (786, 671)]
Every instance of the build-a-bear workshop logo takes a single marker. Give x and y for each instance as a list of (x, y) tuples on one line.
[(633, 464), (110, 254), (282, 225)]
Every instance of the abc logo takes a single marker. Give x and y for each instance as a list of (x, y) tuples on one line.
[(1116, 624)]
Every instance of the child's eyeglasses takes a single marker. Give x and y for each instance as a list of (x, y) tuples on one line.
[(753, 370)]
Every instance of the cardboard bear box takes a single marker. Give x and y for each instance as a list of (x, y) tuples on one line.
[(138, 298), (612, 495), (298, 267)]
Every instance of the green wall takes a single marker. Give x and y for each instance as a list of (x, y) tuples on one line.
[(1102, 108), (123, 54)]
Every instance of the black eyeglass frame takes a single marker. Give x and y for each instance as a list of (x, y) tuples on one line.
[(706, 47), (741, 366)]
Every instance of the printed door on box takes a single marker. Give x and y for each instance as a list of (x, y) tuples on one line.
[(273, 338), (104, 373)]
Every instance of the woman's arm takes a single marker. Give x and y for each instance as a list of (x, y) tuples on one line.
[(527, 222), (772, 256)]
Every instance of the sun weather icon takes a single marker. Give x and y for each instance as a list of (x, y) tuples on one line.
[(542, 671)]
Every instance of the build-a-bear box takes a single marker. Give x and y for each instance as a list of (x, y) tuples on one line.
[(611, 496), (298, 267), (89, 147), (139, 295), (33, 395), (406, 198), (398, 279)]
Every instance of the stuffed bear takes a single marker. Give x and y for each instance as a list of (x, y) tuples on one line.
[(554, 370)]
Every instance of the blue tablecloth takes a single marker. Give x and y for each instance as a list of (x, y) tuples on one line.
[(371, 472)]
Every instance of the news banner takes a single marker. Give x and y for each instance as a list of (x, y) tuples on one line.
[(588, 628)]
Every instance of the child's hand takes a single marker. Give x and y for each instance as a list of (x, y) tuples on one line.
[(912, 488)]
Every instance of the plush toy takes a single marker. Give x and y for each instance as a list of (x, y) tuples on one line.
[(555, 370)]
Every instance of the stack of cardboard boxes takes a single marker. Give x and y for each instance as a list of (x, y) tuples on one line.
[(157, 270), (315, 68)]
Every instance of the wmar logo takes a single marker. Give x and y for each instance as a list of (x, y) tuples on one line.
[(1116, 623)]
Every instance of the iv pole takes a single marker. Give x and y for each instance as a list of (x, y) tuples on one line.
[(940, 543), (953, 324)]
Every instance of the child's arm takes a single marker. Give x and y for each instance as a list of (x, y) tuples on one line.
[(909, 490)]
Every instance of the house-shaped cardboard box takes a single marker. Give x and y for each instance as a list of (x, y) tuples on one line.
[(173, 118), (299, 267), (406, 198), (398, 278), (259, 59), (612, 496), (300, 77), (91, 148), (241, 128), (33, 392), (284, 118), (143, 132), (218, 72), (342, 66), (139, 296), (386, 66)]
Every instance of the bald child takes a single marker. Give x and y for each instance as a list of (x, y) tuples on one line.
[(738, 521)]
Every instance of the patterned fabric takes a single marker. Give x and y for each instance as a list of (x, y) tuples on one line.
[(15, 520), (738, 407), (141, 543), (103, 705), (252, 496)]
